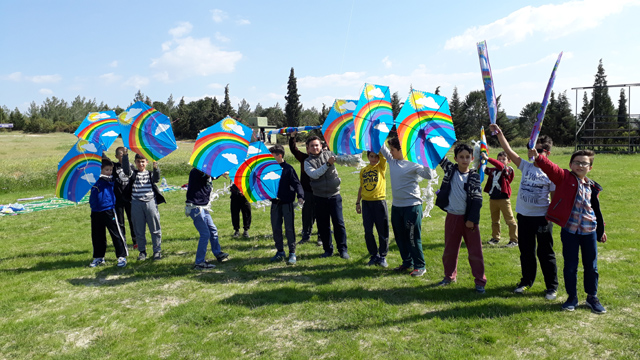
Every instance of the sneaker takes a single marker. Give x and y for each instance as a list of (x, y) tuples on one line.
[(402, 269), (236, 234), (97, 262), (203, 266), (222, 257), (594, 304), (245, 234), (551, 294), (445, 282), (480, 289), (570, 304), (345, 255), (326, 255), (521, 289), (512, 244), (142, 256), (319, 242), (279, 256), (417, 272), (157, 255), (493, 241), (122, 262), (373, 260), (382, 262), (292, 259), (303, 241)]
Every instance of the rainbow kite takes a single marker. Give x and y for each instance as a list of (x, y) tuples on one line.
[(484, 149), (373, 117), (258, 177), (289, 130), (100, 128), (425, 128), (147, 132), (79, 170), (535, 132), (339, 130), (221, 147), (487, 79)]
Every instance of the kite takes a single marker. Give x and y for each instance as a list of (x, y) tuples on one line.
[(221, 147), (339, 130), (487, 79), (425, 128), (289, 130), (147, 132), (258, 177), (79, 170), (535, 132), (100, 128), (373, 117), (483, 150)]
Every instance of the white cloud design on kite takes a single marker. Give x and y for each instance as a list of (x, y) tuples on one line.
[(349, 105), (88, 178), (375, 93), (89, 147), (110, 133), (132, 113), (428, 102), (253, 150), (439, 141), (271, 176), (232, 158), (162, 128), (382, 127), (237, 129)]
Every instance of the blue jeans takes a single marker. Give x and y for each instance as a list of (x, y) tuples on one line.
[(571, 245), (208, 232)]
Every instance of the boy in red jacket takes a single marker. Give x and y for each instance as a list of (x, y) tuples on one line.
[(498, 187), (576, 208)]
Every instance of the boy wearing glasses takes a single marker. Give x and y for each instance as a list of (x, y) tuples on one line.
[(576, 208), (531, 206)]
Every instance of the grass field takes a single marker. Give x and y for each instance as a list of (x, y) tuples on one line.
[(53, 306)]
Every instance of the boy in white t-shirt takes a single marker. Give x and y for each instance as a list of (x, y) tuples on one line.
[(532, 204)]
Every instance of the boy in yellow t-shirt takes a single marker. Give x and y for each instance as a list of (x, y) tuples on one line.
[(373, 192)]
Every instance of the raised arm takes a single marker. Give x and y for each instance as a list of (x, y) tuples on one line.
[(384, 151), (126, 166), (505, 145), (313, 172), (299, 155)]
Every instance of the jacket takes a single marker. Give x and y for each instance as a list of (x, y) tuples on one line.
[(472, 187), (505, 180), (102, 197), (121, 181), (305, 180), (289, 185), (565, 196), (133, 174), (325, 182), (199, 189)]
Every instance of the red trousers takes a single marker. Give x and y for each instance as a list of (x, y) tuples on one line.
[(454, 231)]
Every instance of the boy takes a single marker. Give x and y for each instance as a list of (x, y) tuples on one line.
[(325, 184), (406, 209), (531, 206), (239, 204), (460, 196), (145, 198), (122, 205), (282, 207), (308, 211), (102, 201), (576, 208), (499, 189), (197, 208)]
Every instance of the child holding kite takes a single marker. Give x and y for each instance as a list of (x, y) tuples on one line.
[(145, 198), (282, 207), (498, 187), (460, 196), (531, 206), (102, 201), (197, 208), (406, 210), (576, 208), (122, 205), (308, 211), (372, 192)]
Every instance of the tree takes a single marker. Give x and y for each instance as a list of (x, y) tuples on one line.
[(17, 119), (473, 113), (4, 115), (437, 92), (396, 105), (258, 110), (275, 115), (216, 111), (454, 104), (622, 110), (528, 117), (139, 96), (292, 108), (244, 110), (559, 122), (604, 110), (181, 123)]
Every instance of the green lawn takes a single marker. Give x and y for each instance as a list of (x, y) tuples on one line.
[(53, 306)]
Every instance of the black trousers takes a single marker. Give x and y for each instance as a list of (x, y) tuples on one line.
[(530, 229), (99, 221), (240, 204), (376, 213), (329, 211), (308, 215), (120, 210)]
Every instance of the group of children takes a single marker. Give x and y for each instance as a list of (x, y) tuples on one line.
[(575, 207)]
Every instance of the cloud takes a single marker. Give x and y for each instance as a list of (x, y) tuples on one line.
[(111, 133), (218, 15), (44, 91), (89, 178), (253, 150), (349, 105), (386, 62), (39, 79), (376, 92), (181, 30), (136, 81), (89, 147), (243, 22), (162, 128), (97, 116), (439, 141), (347, 79), (428, 101), (114, 63), (16, 76), (271, 176), (553, 21), (232, 158), (382, 127), (110, 78), (237, 129), (221, 37), (133, 113)]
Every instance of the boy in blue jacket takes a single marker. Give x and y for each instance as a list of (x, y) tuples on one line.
[(102, 201)]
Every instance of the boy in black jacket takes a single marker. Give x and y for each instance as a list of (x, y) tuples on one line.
[(282, 207), (122, 205)]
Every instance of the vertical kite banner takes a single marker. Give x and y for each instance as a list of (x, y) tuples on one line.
[(487, 79), (543, 107), (483, 150)]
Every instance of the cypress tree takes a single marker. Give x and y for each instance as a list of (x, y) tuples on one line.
[(292, 108)]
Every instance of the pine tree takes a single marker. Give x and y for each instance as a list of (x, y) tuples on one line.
[(396, 105), (139, 96), (181, 123), (622, 110), (292, 108), (528, 117), (454, 104), (604, 110), (227, 109), (437, 92), (244, 110), (216, 111)]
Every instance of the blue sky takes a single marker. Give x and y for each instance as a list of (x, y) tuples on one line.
[(109, 49)]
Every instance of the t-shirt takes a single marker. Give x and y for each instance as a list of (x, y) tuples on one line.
[(458, 196), (373, 181), (405, 179), (533, 196), (142, 189)]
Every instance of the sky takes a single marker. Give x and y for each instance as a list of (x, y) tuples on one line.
[(108, 50)]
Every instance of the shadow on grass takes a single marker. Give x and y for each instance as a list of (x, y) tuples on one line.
[(43, 254)]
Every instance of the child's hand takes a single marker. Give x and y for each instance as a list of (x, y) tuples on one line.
[(603, 239), (533, 154), (358, 208), (300, 201), (484, 156), (225, 175), (495, 129), (294, 133), (470, 225), (331, 160)]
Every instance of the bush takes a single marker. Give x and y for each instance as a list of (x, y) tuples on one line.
[(519, 142), (39, 125)]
